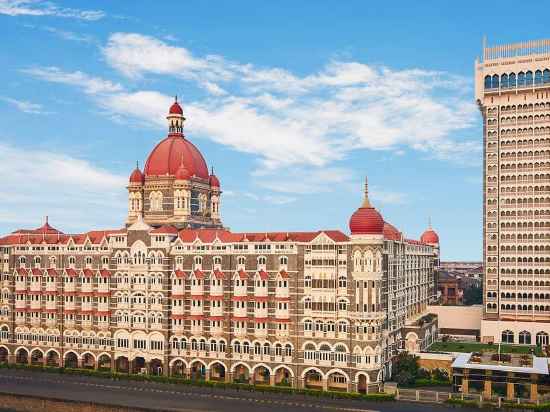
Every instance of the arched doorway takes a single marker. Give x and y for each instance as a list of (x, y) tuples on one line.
[(155, 367), (71, 360), (88, 361), (122, 365), (283, 377), (337, 382), (217, 372), (261, 375), (313, 379), (22, 356), (104, 362), (241, 374), (138, 365), (197, 371), (37, 358), (362, 383), (52, 359), (178, 368), (4, 355)]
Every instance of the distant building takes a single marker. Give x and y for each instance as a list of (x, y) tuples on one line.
[(449, 289)]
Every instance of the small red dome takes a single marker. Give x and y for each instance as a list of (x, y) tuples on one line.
[(170, 153), (214, 181), (136, 176), (366, 220), (182, 173), (175, 108), (429, 236), (391, 232)]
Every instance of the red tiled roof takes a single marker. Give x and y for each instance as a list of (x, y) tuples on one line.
[(263, 275), (36, 272), (242, 274), (22, 272), (284, 274), (165, 229), (218, 274), (199, 274), (180, 273), (71, 272), (105, 273), (88, 273), (53, 272)]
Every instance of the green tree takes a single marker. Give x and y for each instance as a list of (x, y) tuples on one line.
[(473, 295), (405, 368)]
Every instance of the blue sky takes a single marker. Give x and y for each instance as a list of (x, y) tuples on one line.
[(293, 103)]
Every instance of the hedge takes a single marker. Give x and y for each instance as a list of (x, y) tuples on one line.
[(202, 383), (505, 405)]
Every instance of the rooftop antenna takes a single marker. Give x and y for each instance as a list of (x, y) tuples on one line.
[(176, 97)]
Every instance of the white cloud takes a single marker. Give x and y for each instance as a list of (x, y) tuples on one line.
[(89, 84), (292, 124), (24, 105), (71, 190), (46, 8)]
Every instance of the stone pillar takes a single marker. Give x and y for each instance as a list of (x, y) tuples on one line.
[(510, 390), (229, 377), (11, 359), (465, 385), (325, 384), (113, 364), (207, 374), (534, 394), (487, 388), (272, 379)]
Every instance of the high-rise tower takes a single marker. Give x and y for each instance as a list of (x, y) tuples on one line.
[(512, 87)]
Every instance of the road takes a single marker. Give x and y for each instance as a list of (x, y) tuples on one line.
[(183, 398)]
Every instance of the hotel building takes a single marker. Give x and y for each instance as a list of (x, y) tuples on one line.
[(512, 89), (174, 292)]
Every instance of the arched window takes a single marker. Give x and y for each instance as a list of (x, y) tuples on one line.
[(494, 82), (538, 77), (512, 80), (524, 338), (504, 81), (507, 336), (487, 82), (521, 79), (546, 76), (529, 78), (542, 339)]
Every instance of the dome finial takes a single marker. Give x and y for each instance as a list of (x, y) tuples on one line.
[(366, 202), (176, 98)]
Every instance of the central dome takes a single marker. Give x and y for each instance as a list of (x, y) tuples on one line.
[(171, 153)]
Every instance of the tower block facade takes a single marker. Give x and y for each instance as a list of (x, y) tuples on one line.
[(513, 93)]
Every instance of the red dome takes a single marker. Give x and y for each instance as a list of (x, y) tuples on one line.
[(366, 220), (429, 236), (391, 232), (214, 181), (175, 108), (182, 173), (136, 176), (170, 153)]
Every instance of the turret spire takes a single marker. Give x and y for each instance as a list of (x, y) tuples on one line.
[(366, 202)]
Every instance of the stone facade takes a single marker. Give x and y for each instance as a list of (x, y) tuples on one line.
[(309, 309)]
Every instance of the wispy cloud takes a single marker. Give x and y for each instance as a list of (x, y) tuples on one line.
[(300, 128), (89, 84), (53, 181), (24, 105), (46, 8), (69, 35)]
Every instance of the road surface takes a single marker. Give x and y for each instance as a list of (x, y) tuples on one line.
[(184, 398)]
